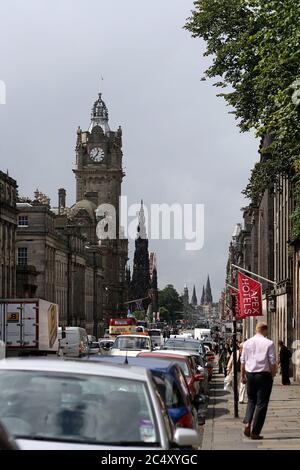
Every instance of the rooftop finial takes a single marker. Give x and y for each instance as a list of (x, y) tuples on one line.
[(99, 115), (142, 223)]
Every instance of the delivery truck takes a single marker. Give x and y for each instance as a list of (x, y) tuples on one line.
[(202, 333), (29, 326)]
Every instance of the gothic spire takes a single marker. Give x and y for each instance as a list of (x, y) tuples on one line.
[(203, 296), (140, 281), (141, 229), (194, 298), (208, 294)]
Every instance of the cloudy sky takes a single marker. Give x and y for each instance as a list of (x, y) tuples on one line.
[(180, 144)]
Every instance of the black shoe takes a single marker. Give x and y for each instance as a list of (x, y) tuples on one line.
[(256, 437), (247, 431)]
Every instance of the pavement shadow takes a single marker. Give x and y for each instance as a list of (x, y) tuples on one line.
[(213, 413), (221, 393), (219, 400)]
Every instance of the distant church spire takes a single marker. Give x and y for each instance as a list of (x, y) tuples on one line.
[(194, 298), (141, 229), (208, 294), (203, 296), (140, 281), (186, 297)]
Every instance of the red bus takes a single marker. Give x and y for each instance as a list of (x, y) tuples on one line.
[(117, 326)]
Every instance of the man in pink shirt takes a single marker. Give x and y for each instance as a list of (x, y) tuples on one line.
[(258, 369)]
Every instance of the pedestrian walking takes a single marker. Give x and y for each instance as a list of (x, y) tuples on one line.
[(258, 369), (284, 362), (225, 358), (242, 386)]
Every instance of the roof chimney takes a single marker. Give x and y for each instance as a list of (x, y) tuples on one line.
[(61, 200)]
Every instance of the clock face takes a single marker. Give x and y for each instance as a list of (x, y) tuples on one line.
[(97, 154)]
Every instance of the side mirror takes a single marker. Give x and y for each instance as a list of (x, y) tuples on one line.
[(63, 334), (186, 437)]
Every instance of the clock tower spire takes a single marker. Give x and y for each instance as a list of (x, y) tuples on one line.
[(99, 116), (98, 169)]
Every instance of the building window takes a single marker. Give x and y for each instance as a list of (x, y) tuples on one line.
[(23, 221), (22, 257)]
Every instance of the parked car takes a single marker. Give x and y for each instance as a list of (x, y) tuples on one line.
[(171, 383), (196, 346), (210, 358), (67, 404), (183, 343), (200, 367), (73, 341), (94, 347), (187, 366), (156, 337), (130, 345), (105, 345)]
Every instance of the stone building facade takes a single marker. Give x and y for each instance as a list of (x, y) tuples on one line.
[(8, 226), (270, 253), (54, 264)]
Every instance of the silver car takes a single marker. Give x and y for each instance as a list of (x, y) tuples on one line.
[(67, 404)]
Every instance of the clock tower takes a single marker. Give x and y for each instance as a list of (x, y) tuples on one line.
[(99, 174), (98, 168)]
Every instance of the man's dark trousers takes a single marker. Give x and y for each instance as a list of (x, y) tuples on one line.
[(259, 387)]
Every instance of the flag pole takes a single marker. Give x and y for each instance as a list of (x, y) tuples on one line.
[(253, 274)]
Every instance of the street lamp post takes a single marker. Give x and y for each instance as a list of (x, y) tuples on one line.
[(94, 250), (235, 366), (95, 325)]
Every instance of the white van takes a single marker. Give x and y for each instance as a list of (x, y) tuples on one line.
[(156, 337), (73, 341)]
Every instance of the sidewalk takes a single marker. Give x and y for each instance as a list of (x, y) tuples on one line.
[(282, 426)]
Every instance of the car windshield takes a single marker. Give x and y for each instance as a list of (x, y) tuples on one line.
[(132, 342), (83, 408), (154, 333), (186, 345)]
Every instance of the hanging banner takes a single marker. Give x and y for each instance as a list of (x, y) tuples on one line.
[(250, 296), (237, 312)]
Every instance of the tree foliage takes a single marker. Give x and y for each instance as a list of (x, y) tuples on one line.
[(164, 314), (255, 52), (169, 299)]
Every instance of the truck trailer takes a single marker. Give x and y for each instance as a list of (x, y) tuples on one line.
[(28, 326)]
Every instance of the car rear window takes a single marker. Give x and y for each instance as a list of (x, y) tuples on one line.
[(83, 408)]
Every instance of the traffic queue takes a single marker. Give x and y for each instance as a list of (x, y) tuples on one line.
[(134, 390)]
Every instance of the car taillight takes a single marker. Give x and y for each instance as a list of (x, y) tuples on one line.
[(186, 421)]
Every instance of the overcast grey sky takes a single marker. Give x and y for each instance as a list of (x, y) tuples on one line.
[(180, 144)]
